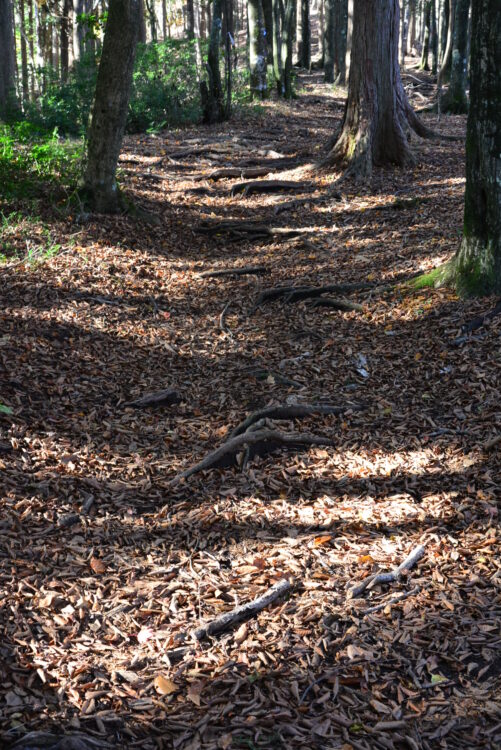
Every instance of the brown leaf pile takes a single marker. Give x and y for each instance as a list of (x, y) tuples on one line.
[(105, 567)]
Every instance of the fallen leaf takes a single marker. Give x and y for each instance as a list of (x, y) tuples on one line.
[(97, 565), (164, 686)]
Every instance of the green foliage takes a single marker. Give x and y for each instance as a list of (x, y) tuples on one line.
[(165, 88), (30, 159)]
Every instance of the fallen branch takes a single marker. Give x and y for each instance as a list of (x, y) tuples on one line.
[(262, 441), (377, 578), (294, 411), (159, 398), (337, 304), (222, 326), (241, 271), (242, 612), (296, 293), (268, 186)]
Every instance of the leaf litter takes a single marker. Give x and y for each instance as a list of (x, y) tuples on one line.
[(107, 567)]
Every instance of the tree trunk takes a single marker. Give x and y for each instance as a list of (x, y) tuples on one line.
[(268, 25), (445, 68), (478, 262), (288, 26), (403, 33), (349, 38), (425, 65), (455, 100), (142, 23), (305, 47), (24, 52), (277, 45), (7, 60), (258, 51), (340, 37), (109, 111), (412, 26), (65, 27), (212, 94), (78, 32), (329, 43), (190, 13), (434, 37), (378, 114)]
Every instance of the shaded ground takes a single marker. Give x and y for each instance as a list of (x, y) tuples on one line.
[(105, 566)]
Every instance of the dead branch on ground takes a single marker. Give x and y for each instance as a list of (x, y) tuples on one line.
[(242, 612), (294, 411), (268, 186), (239, 271), (395, 575), (159, 398)]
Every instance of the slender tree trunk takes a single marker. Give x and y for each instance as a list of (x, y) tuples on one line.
[(434, 38), (65, 40), (377, 115), (268, 25), (412, 26), (455, 100), (330, 40), (190, 18), (258, 51), (277, 45), (142, 23), (8, 98), (289, 22), (425, 65), (212, 94), (78, 31), (109, 111), (24, 52), (403, 33), (305, 48), (445, 68), (340, 37), (478, 262), (349, 37), (152, 17)]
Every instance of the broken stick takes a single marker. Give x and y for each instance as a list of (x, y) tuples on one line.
[(373, 580), (242, 612)]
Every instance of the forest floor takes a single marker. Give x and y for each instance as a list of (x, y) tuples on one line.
[(107, 564)]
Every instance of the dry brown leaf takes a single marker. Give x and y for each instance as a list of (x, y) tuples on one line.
[(165, 686), (97, 565)]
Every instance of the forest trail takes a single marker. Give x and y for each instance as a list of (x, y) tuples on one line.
[(109, 560)]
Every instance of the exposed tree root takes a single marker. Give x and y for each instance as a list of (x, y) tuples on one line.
[(268, 186), (262, 442), (294, 411), (239, 271), (297, 293), (241, 230), (292, 205), (337, 304), (243, 612), (159, 398), (244, 173), (481, 320), (377, 578), (74, 741)]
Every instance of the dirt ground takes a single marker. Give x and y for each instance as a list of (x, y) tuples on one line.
[(107, 565)]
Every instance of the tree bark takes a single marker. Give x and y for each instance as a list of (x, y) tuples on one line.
[(190, 12), (478, 262), (258, 51), (412, 26), (455, 100), (425, 65), (434, 37), (64, 30), (378, 115), (305, 46), (287, 44), (277, 45), (212, 94), (109, 112), (24, 52), (8, 98), (78, 32), (329, 43)]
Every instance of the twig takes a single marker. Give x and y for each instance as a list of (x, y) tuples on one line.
[(242, 612), (390, 602), (377, 578), (263, 440), (221, 319)]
